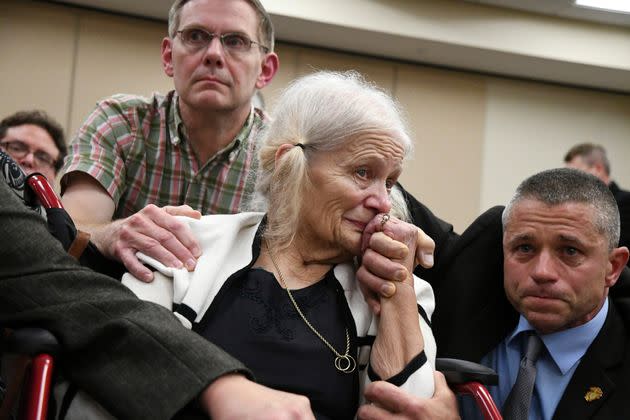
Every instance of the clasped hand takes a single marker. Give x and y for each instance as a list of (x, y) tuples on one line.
[(390, 252)]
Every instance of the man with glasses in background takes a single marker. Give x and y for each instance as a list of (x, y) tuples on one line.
[(35, 141), (136, 161)]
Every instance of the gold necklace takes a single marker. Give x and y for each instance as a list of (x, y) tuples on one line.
[(343, 362)]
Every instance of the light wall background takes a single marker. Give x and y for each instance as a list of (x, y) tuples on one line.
[(476, 136)]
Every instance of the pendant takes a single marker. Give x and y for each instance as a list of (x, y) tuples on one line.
[(345, 363)]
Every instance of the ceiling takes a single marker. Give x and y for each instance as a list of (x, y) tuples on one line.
[(561, 8), (430, 51), (564, 8)]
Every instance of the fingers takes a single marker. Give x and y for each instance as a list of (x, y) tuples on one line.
[(380, 269), (389, 401), (374, 412), (425, 248), (441, 386), (383, 266), (157, 233), (234, 397), (373, 286), (135, 267), (388, 396), (390, 248), (443, 405), (183, 210)]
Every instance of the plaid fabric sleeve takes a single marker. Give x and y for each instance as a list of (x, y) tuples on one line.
[(98, 147)]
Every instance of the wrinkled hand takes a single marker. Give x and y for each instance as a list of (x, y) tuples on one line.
[(391, 402), (391, 251), (235, 397), (155, 232)]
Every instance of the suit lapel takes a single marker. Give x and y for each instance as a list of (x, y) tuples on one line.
[(472, 314), (591, 384)]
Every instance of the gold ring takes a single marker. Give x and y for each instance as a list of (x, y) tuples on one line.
[(384, 219)]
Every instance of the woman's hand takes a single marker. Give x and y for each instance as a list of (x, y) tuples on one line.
[(391, 250), (392, 246)]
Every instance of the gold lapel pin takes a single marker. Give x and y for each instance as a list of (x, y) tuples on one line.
[(593, 393)]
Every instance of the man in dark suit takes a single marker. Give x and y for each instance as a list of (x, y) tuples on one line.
[(559, 238), (592, 158)]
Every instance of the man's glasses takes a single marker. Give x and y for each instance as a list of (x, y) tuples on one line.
[(197, 39), (18, 150)]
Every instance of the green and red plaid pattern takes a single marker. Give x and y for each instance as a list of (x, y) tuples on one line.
[(136, 148)]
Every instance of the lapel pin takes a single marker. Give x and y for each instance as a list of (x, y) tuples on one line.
[(593, 393)]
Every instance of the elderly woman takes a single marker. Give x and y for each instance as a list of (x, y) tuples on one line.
[(278, 290)]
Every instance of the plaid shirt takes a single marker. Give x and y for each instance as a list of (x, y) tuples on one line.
[(137, 149)]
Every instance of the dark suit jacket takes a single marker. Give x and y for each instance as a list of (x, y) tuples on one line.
[(473, 315), (622, 197), (132, 356)]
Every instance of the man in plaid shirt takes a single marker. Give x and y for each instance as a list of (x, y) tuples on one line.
[(136, 161)]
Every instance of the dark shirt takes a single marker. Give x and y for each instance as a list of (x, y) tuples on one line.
[(622, 197), (254, 321)]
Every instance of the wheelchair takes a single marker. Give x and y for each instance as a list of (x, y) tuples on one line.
[(37, 348)]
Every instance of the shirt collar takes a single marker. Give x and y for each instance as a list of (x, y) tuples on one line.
[(568, 346), (231, 150), (174, 123), (178, 129)]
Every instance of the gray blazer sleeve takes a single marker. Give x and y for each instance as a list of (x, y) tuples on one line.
[(132, 356)]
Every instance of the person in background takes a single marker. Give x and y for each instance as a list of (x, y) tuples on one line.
[(136, 161), (35, 141), (592, 158)]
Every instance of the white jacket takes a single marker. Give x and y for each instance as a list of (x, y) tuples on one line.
[(226, 242)]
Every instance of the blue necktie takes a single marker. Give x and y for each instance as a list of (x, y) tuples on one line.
[(517, 404)]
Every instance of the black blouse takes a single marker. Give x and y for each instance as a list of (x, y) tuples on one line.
[(254, 321)]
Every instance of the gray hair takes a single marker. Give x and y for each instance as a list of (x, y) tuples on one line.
[(265, 26), (322, 111), (591, 153), (565, 185)]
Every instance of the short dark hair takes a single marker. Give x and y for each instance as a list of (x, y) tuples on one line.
[(265, 26), (591, 153), (42, 120), (567, 185)]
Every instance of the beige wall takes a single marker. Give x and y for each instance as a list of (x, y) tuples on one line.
[(530, 127), (476, 136)]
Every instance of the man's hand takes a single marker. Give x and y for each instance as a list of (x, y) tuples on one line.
[(391, 402), (384, 260), (154, 231), (235, 397)]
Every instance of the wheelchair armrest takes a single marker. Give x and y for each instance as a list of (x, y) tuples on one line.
[(471, 378), (31, 342), (459, 371)]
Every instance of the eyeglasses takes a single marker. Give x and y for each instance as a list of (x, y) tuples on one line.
[(18, 150), (197, 39)]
